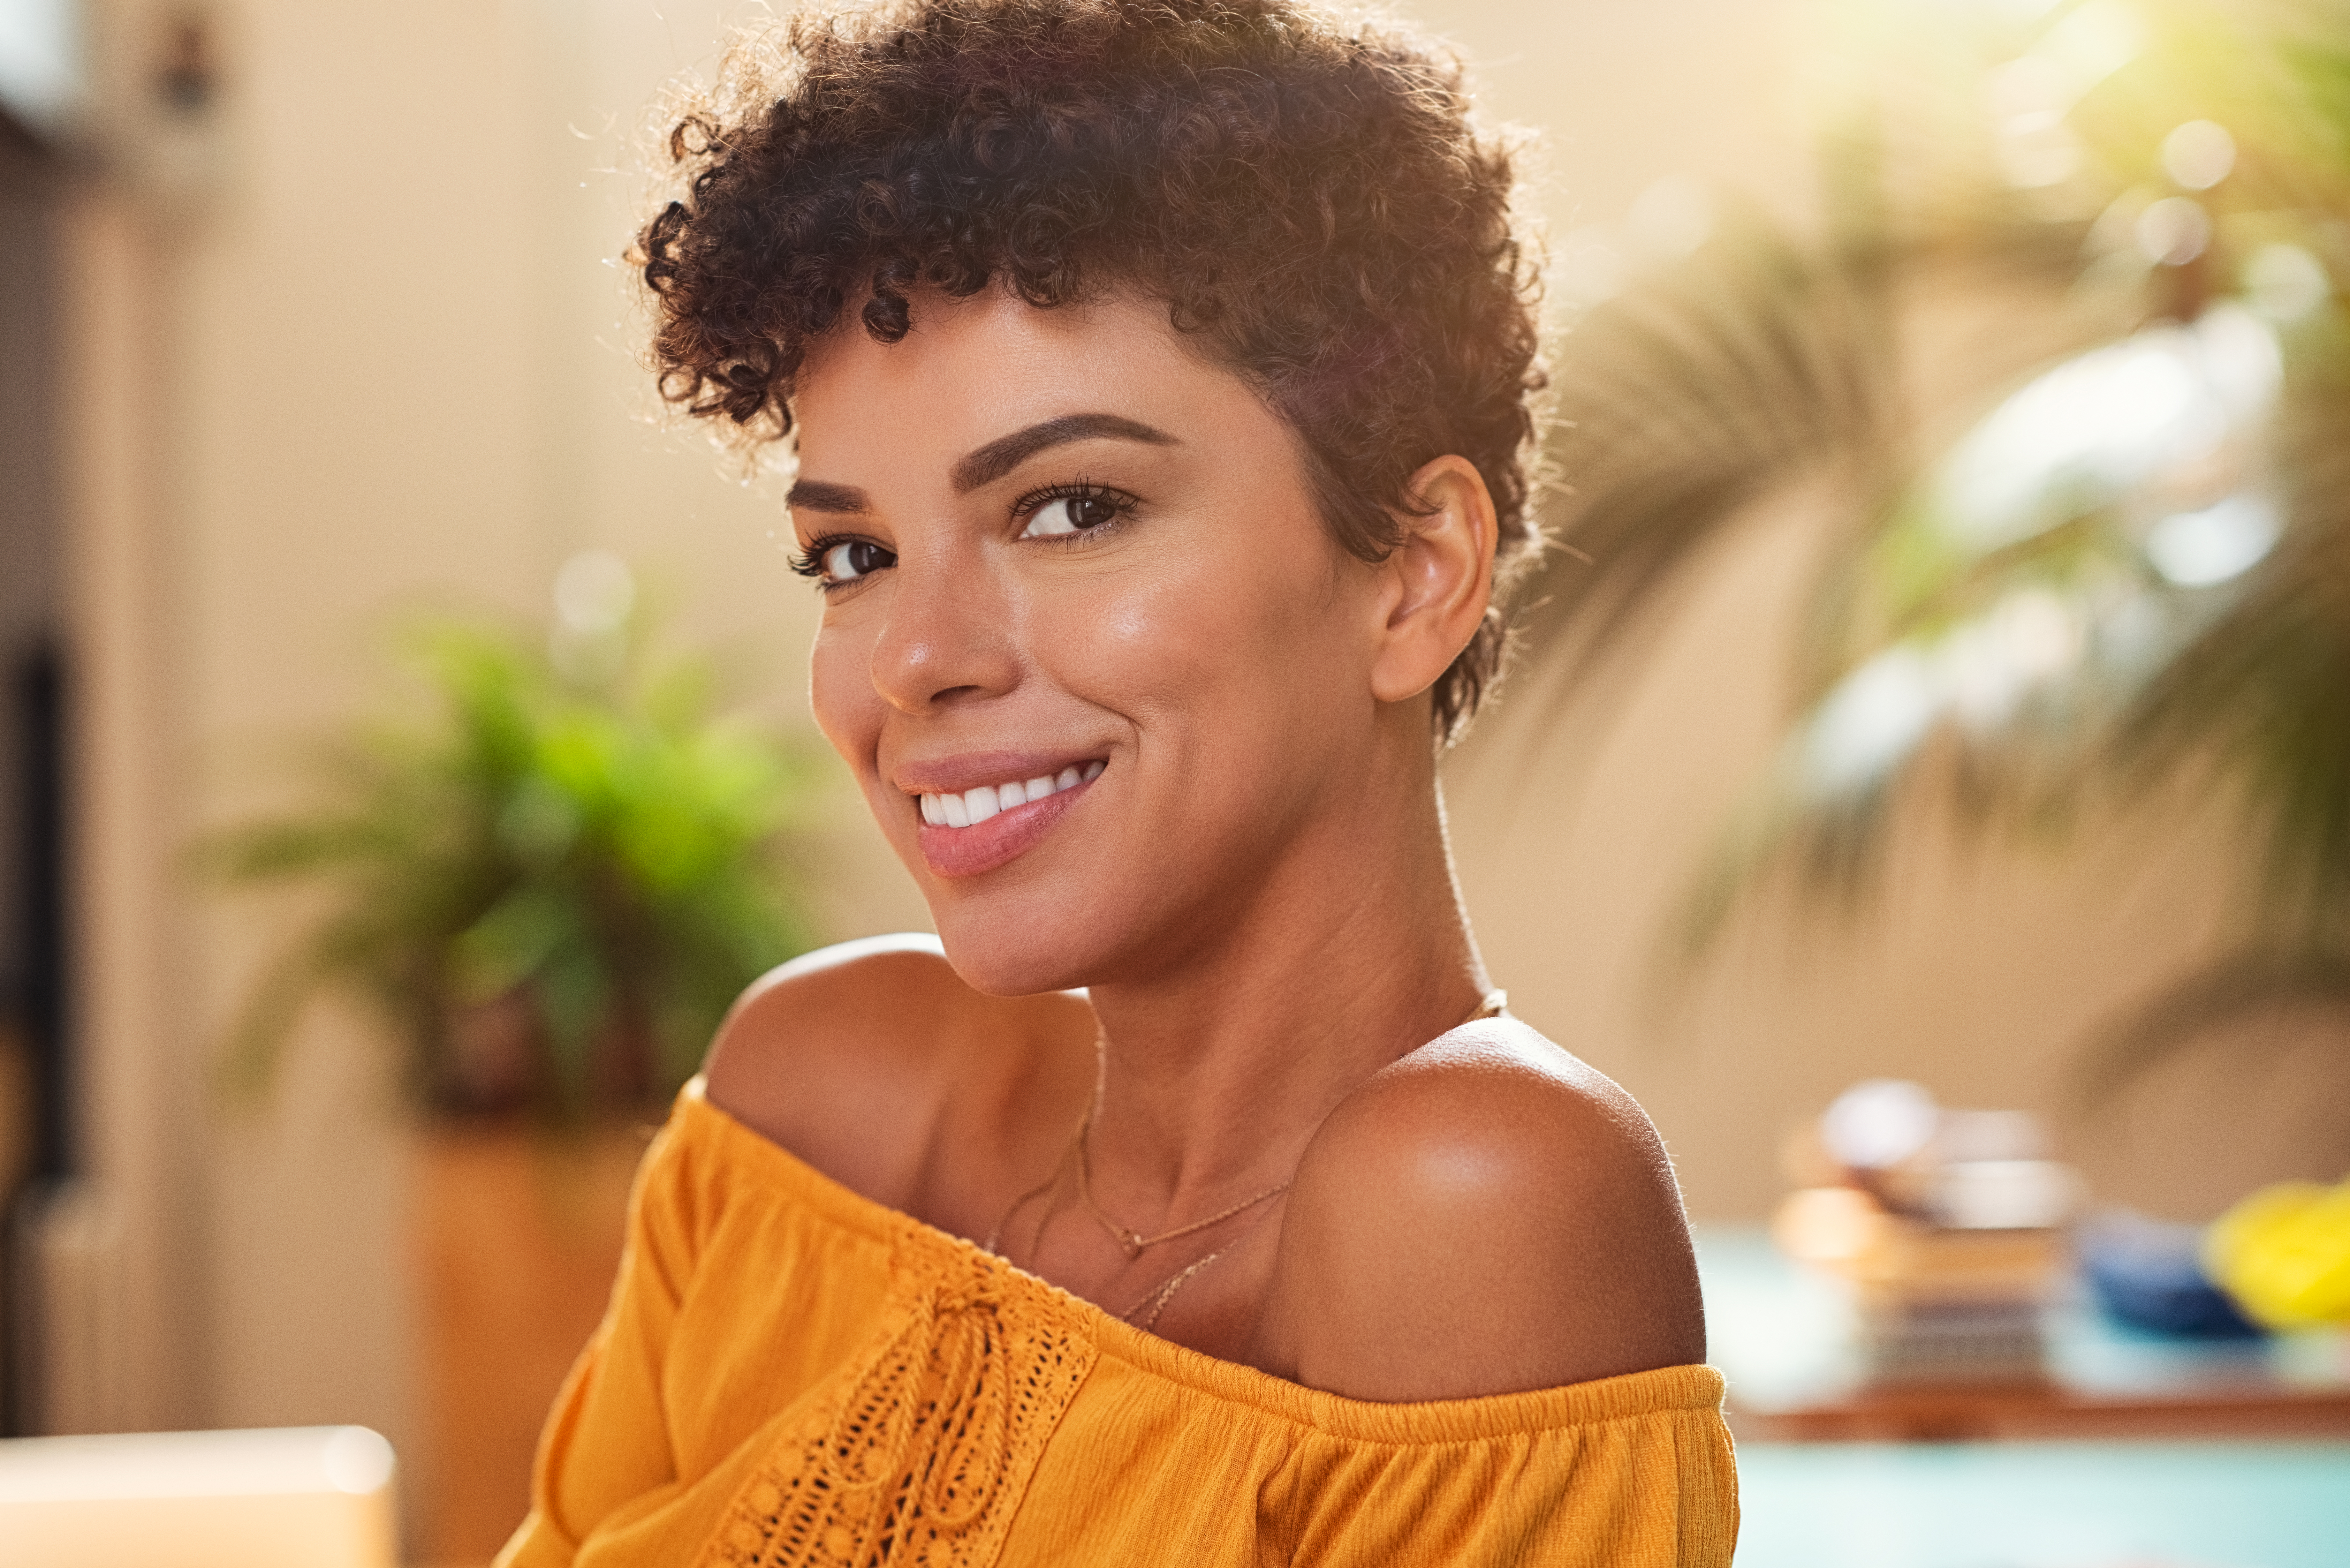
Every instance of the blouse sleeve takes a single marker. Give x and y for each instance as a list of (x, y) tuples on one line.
[(1658, 1489), (606, 1450)]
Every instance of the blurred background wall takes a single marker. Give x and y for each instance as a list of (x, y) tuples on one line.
[(340, 331)]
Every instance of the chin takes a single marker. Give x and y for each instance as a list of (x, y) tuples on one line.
[(1063, 917), (999, 949)]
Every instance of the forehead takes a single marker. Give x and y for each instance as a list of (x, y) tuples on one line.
[(971, 369)]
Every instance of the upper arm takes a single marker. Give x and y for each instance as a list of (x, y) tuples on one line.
[(1485, 1217), (606, 1445)]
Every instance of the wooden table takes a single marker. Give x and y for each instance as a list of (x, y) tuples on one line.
[(1783, 1336)]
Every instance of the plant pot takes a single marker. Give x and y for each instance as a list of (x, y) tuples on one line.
[(517, 1238)]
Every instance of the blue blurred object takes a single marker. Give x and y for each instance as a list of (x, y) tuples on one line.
[(2043, 1505), (2150, 1274)]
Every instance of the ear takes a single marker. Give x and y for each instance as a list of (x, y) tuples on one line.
[(1437, 581)]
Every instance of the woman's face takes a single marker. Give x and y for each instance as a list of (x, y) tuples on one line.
[(1094, 660)]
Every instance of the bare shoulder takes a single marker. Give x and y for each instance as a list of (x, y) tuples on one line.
[(859, 1057), (1488, 1215)]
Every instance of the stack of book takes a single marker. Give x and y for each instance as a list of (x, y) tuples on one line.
[(1951, 1257), (1938, 1303)]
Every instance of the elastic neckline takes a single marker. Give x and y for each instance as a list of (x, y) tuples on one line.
[(1636, 1394)]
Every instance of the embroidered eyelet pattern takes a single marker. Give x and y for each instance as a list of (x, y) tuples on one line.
[(915, 1454)]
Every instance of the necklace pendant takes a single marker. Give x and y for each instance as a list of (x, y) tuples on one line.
[(1131, 1243)]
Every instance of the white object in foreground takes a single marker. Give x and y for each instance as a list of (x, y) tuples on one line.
[(292, 1496)]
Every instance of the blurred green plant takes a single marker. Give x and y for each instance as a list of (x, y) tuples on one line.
[(2100, 239), (551, 889)]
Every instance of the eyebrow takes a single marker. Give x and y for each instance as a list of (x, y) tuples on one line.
[(1004, 453), (816, 495), (986, 464)]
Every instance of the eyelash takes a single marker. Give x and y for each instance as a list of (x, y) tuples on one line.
[(1081, 489), (809, 563)]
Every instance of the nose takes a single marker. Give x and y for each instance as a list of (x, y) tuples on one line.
[(949, 637)]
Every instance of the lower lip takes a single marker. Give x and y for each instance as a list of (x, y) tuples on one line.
[(956, 852)]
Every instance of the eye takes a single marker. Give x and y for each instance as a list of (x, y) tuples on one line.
[(835, 562), (1071, 514), (852, 558)]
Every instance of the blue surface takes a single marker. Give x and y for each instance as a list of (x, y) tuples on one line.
[(2045, 1505), (1782, 1335)]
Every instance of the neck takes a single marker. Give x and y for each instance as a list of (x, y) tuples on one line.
[(1216, 1070)]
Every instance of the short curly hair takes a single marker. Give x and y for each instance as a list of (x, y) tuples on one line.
[(1308, 197)]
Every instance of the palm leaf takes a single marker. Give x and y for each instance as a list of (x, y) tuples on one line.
[(1767, 361)]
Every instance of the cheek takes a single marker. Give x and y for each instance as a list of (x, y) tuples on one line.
[(1212, 655), (841, 695)]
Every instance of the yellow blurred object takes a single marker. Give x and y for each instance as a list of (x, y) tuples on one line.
[(2284, 1254)]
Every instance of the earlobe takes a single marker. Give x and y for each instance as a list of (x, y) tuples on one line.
[(1442, 578)]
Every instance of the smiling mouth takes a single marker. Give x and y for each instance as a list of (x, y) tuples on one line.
[(978, 803)]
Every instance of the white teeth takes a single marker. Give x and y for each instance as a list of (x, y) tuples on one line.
[(976, 805)]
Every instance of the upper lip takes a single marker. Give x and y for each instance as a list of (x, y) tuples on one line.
[(969, 770)]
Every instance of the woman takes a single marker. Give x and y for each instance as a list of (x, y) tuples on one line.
[(1158, 372)]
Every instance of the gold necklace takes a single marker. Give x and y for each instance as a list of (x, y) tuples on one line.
[(1165, 1291), (1050, 1184), (1133, 1242)]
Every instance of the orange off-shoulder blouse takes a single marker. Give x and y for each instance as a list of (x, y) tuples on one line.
[(791, 1373)]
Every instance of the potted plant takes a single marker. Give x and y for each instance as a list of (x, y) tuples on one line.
[(548, 887)]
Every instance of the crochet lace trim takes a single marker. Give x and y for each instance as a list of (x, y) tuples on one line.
[(917, 1453)]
